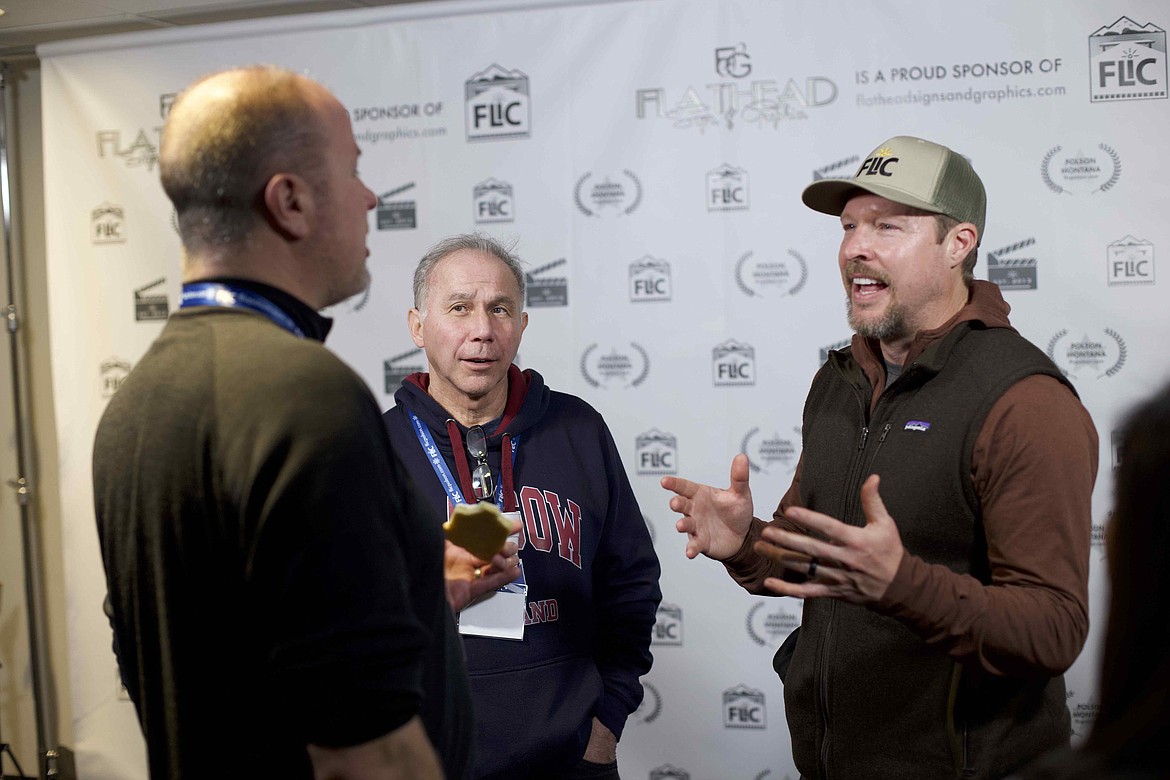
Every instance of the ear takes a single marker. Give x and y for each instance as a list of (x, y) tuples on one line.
[(288, 205), (962, 239), (523, 321), (414, 321)]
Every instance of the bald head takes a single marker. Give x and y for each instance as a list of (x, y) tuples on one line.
[(225, 137)]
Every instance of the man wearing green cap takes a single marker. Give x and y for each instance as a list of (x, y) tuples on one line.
[(942, 605)]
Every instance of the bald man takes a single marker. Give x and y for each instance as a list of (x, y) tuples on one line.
[(278, 603)]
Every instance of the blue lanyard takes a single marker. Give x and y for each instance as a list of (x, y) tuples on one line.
[(443, 472), (227, 296)]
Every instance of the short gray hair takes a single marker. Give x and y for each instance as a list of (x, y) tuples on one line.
[(465, 242)]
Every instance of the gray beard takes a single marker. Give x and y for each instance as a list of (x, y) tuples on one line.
[(891, 327)]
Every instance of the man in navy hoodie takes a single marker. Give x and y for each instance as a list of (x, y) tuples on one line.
[(553, 703)]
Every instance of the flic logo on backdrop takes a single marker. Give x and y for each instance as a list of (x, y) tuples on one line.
[(656, 452), (547, 291), (727, 189), (1131, 261), (493, 202), (1079, 171), (764, 452), (764, 276), (114, 371), (616, 195), (1127, 61), (108, 224), (400, 366), (1012, 273), (650, 280), (396, 212), (733, 363), (651, 706), (1091, 355), (668, 772), (668, 626), (149, 307), (497, 105), (615, 367), (769, 628), (760, 102), (743, 708)]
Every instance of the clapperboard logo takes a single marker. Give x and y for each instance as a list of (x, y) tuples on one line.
[(497, 105), (108, 224), (727, 189), (617, 195), (765, 452), (824, 351), (769, 628), (651, 706), (840, 169), (669, 772), (401, 366), (1127, 61), (743, 708), (150, 307), (1012, 273), (114, 371), (397, 214), (1093, 355), (650, 280), (656, 452), (551, 291), (733, 364), (493, 202), (1131, 261), (668, 626)]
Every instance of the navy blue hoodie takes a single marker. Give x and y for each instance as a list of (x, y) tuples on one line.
[(589, 563)]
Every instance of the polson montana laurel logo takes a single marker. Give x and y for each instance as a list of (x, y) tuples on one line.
[(650, 280), (1079, 171), (1130, 261), (497, 105), (651, 706), (547, 291), (1127, 61), (617, 195), (1091, 355), (615, 367), (771, 277), (768, 624), (765, 452), (1012, 273)]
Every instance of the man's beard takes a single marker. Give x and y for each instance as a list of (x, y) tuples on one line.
[(891, 326)]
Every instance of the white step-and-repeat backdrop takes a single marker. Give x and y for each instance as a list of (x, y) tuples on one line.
[(648, 156)]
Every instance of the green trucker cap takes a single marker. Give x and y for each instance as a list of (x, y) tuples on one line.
[(912, 172)]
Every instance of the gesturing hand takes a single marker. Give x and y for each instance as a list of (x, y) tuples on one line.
[(714, 520), (468, 577)]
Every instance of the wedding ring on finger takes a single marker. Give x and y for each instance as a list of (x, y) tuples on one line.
[(812, 568), (478, 572)]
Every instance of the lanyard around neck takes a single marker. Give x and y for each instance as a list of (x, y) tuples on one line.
[(443, 471), (231, 297)]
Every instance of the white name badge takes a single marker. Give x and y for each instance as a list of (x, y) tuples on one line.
[(500, 613)]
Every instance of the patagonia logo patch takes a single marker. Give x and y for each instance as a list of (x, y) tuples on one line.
[(916, 425)]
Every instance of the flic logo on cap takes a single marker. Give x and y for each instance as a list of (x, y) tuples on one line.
[(878, 164)]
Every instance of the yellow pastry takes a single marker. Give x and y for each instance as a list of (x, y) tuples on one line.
[(479, 528)]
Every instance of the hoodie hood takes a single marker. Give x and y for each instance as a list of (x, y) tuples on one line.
[(528, 400)]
